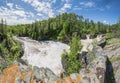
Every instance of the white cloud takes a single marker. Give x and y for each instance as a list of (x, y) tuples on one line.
[(65, 1), (15, 16), (42, 7), (65, 7), (18, 7), (104, 21), (77, 8), (39, 14), (20, 13), (10, 5), (14, 21), (87, 4)]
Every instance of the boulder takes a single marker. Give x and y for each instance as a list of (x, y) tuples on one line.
[(102, 43), (50, 75), (44, 74), (39, 73), (23, 65)]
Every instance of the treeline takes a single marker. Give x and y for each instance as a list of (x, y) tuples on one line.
[(62, 27), (114, 31)]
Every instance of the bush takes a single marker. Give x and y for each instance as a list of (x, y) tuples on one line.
[(71, 63), (10, 49)]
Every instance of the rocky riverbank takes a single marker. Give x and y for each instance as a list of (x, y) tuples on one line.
[(101, 65)]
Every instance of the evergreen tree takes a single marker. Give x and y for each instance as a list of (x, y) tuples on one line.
[(71, 59)]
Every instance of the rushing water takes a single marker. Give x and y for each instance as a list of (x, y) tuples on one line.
[(43, 53), (48, 53)]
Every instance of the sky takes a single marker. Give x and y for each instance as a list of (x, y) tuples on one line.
[(27, 11)]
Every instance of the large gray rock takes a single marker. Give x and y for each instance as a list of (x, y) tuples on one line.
[(49, 74), (98, 51), (103, 69), (39, 73), (97, 67), (112, 50), (23, 65), (44, 74)]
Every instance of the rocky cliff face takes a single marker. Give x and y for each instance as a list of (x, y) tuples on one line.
[(113, 53)]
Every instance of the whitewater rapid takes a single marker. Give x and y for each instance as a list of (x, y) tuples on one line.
[(47, 54), (43, 53)]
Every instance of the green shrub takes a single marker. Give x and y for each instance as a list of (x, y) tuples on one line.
[(71, 60), (10, 49)]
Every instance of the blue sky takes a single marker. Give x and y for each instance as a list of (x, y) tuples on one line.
[(26, 11)]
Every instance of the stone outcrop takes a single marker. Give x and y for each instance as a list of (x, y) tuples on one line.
[(113, 67), (112, 50), (20, 72), (102, 43), (98, 67), (12, 74), (45, 74), (95, 73), (17, 73)]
